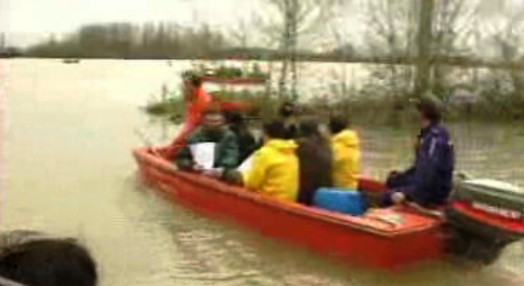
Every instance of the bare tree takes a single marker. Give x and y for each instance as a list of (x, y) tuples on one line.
[(391, 33), (294, 20), (508, 38), (424, 30), (241, 33), (453, 28), (424, 45)]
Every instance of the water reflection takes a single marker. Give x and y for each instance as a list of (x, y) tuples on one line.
[(70, 172)]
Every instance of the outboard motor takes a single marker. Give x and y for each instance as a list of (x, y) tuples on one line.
[(483, 217)]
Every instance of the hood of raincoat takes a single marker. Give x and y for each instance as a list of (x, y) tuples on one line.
[(348, 138), (346, 159), (275, 170), (282, 146)]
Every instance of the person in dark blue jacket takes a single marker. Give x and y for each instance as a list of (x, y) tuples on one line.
[(429, 182)]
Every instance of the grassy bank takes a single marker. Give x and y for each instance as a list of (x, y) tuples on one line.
[(262, 105), (381, 112), (360, 108)]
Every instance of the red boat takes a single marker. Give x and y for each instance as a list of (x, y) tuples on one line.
[(387, 238), (235, 80)]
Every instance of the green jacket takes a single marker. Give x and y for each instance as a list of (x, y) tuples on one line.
[(226, 152)]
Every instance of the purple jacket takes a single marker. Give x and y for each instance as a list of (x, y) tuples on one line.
[(429, 181), (434, 166)]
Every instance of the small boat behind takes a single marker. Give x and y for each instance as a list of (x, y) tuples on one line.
[(71, 61), (233, 73), (242, 80)]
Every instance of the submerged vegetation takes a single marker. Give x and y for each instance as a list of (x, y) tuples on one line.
[(173, 108), (253, 71), (365, 106), (465, 54), (233, 72)]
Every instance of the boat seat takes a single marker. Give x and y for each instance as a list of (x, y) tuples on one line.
[(346, 201)]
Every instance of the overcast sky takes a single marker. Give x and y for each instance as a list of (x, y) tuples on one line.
[(27, 21)]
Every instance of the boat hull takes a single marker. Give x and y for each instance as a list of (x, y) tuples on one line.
[(352, 239)]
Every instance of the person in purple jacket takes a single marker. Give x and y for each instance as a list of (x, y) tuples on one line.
[(429, 182)]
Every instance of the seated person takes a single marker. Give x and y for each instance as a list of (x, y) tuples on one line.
[(287, 113), (429, 182), (274, 170), (346, 154), (245, 141), (35, 259), (314, 155), (213, 130)]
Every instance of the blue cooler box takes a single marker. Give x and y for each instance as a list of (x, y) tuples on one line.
[(345, 201)]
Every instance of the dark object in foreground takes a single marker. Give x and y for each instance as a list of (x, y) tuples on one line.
[(34, 259)]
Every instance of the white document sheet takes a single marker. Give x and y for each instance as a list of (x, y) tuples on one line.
[(246, 165), (203, 154)]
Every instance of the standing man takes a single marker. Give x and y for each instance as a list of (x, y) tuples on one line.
[(197, 101), (429, 182)]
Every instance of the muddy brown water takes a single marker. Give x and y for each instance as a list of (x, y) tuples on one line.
[(67, 132)]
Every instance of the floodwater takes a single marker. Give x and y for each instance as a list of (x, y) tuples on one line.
[(67, 132)]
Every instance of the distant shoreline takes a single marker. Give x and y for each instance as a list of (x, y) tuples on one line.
[(325, 58)]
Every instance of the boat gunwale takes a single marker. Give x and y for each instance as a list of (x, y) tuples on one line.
[(143, 155)]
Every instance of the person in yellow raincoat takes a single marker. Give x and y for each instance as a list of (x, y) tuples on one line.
[(345, 146), (275, 166)]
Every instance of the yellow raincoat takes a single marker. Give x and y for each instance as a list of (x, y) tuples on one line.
[(346, 159), (275, 170)]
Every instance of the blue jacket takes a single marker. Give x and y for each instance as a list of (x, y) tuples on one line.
[(432, 174)]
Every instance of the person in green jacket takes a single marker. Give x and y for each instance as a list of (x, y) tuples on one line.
[(213, 130)]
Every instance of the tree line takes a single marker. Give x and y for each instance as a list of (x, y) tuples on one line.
[(125, 40), (419, 42)]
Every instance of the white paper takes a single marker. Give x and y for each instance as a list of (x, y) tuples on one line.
[(203, 154), (246, 165)]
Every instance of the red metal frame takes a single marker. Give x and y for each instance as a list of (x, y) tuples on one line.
[(236, 80), (515, 226), (365, 240)]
